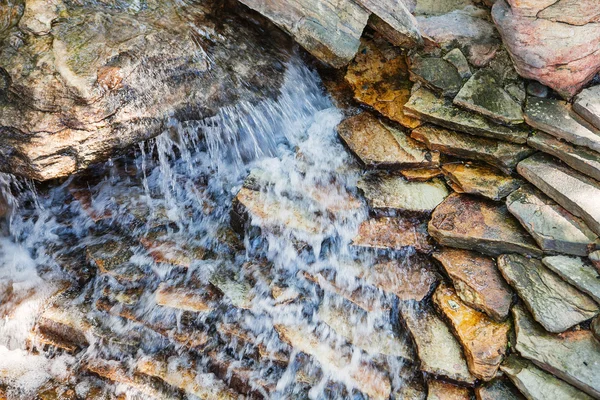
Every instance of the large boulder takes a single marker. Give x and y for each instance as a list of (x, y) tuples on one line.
[(81, 82), (554, 42)]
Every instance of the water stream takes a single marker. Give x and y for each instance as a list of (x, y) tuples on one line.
[(143, 230)]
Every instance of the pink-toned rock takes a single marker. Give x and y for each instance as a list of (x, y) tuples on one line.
[(555, 43)]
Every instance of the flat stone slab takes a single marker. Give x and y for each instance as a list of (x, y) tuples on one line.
[(439, 351), (421, 174), (440, 390), (484, 94), (577, 272), (458, 59), (364, 377), (393, 233), (572, 356), (437, 74), (354, 327), (182, 297), (477, 281), (483, 340), (427, 106), (577, 193), (537, 384), (379, 145), (498, 389), (596, 327), (553, 302), (595, 259), (470, 223), (580, 158), (498, 153), (480, 180), (379, 77), (385, 192), (553, 228), (558, 119), (587, 104)]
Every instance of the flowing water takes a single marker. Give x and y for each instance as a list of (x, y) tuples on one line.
[(143, 241)]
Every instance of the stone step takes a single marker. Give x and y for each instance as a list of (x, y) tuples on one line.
[(577, 193), (477, 281), (481, 180), (272, 350), (537, 384), (387, 193), (172, 249), (440, 390), (362, 375), (580, 158), (440, 353), (113, 258), (353, 326), (379, 77), (554, 303), (553, 228), (425, 105), (587, 105), (393, 233), (558, 119), (577, 272), (571, 356), (378, 145), (421, 174), (483, 340), (498, 153), (470, 223)]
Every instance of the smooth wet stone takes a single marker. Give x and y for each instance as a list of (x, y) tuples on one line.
[(480, 180), (274, 351), (483, 340), (536, 89), (385, 192), (575, 192), (498, 389), (553, 302), (577, 272), (484, 94), (587, 104), (551, 226), (186, 378), (67, 325), (421, 174), (438, 350), (477, 281), (595, 259), (580, 158), (558, 119), (354, 327), (182, 297), (379, 77), (364, 377), (425, 105), (379, 145), (498, 153), (571, 356), (440, 390), (537, 384), (172, 250), (238, 289), (393, 233), (467, 222), (437, 74), (460, 62)]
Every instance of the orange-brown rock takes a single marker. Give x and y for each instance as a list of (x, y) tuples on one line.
[(440, 390), (379, 145), (195, 299), (480, 180), (483, 340), (379, 77), (421, 174), (477, 281), (467, 222), (393, 233), (165, 250)]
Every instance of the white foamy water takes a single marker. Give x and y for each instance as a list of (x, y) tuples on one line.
[(182, 185)]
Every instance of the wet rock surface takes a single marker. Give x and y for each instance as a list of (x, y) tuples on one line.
[(393, 233), (440, 390), (553, 303), (498, 389), (480, 180)]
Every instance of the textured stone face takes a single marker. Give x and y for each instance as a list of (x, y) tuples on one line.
[(477, 281), (577, 272), (554, 303), (470, 223), (393, 233), (570, 356), (547, 48), (483, 340), (498, 389), (437, 74), (587, 104), (553, 228), (379, 145), (440, 390), (480, 180), (394, 20), (379, 77), (495, 152)]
